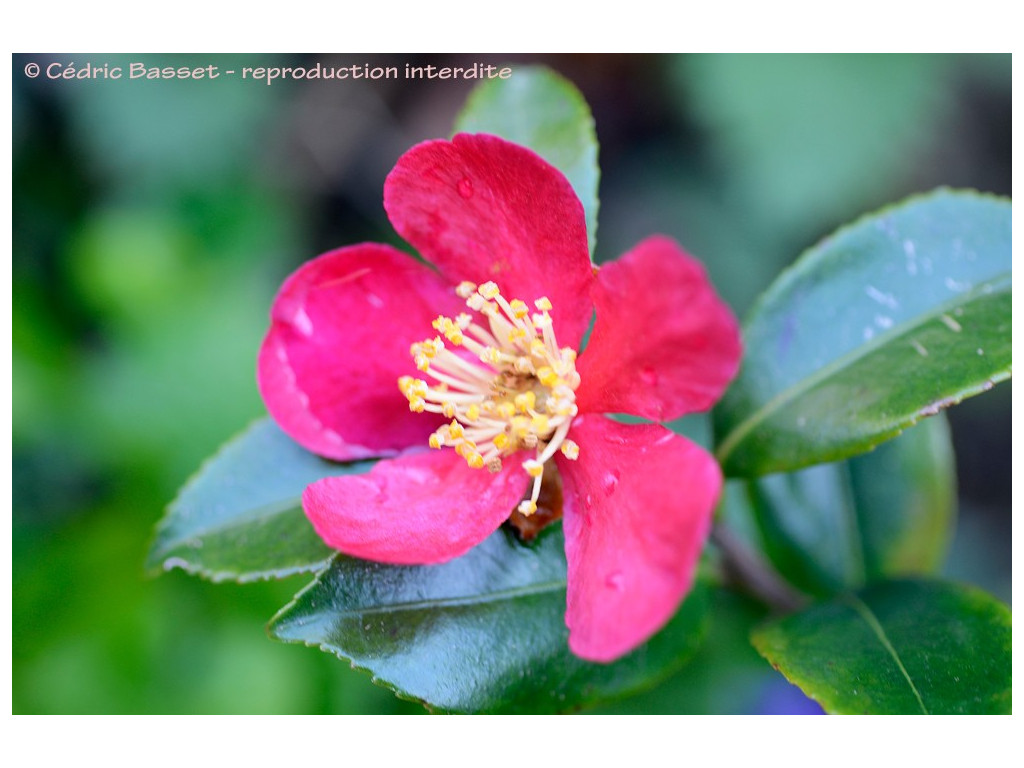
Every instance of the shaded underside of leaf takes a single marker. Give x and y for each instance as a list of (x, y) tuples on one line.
[(240, 517), (482, 633), (902, 647), (890, 320), (882, 515)]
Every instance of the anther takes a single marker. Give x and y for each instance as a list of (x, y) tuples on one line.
[(570, 450), (519, 394), (533, 467), (488, 290), (527, 507)]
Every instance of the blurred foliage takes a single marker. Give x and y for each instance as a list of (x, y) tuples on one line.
[(153, 221)]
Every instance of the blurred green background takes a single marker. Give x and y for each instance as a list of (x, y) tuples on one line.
[(154, 220)]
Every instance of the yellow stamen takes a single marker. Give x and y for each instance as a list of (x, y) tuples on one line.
[(527, 508), (516, 392), (519, 308), (533, 467), (526, 401), (547, 376), (488, 290)]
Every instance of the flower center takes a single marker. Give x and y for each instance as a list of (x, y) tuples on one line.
[(506, 386)]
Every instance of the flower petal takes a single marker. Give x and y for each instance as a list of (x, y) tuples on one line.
[(664, 344), (341, 327), (419, 508), (638, 508), (481, 208)]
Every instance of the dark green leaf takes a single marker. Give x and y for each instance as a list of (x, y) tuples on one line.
[(889, 320), (540, 109), (839, 526), (725, 676), (907, 647), (482, 633), (906, 501), (241, 516)]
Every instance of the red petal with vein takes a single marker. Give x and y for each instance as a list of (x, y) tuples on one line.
[(341, 327), (638, 508), (419, 508), (664, 344), (481, 208)]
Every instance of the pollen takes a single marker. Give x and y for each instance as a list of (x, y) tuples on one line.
[(533, 467), (570, 450), (505, 386), (519, 308), (528, 507), (525, 401)]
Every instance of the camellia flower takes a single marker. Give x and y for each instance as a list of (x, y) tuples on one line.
[(466, 376)]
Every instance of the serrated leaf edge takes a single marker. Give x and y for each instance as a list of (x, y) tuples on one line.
[(1001, 284), (160, 560)]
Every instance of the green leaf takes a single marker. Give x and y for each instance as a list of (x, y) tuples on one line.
[(726, 676), (908, 647), (839, 526), (241, 516), (889, 320), (482, 633), (540, 109)]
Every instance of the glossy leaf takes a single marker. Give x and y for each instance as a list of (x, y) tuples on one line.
[(839, 526), (241, 516), (482, 633), (889, 320), (540, 109), (908, 647)]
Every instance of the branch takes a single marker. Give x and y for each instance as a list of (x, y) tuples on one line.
[(750, 572)]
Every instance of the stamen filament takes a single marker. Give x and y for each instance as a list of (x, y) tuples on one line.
[(520, 396)]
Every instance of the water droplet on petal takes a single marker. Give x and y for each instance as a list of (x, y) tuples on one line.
[(301, 322), (615, 580), (465, 188), (609, 481), (649, 376), (589, 500)]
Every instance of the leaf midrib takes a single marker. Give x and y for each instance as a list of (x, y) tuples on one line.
[(247, 516), (875, 625), (995, 286), (444, 602)]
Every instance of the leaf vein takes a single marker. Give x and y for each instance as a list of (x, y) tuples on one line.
[(872, 621), (234, 520), (987, 288), (454, 602)]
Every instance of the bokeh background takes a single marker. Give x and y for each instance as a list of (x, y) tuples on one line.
[(154, 220)]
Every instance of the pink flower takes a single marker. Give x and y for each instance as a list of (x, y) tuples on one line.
[(371, 353)]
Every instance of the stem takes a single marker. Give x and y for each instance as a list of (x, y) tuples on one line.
[(750, 572)]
